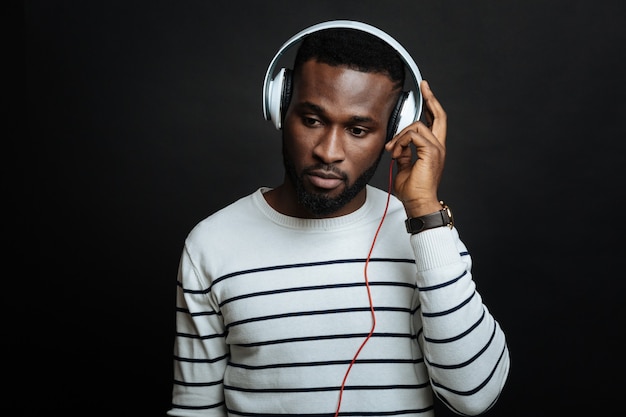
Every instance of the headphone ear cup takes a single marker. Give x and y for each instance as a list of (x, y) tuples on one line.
[(394, 119), (279, 94), (285, 98), (402, 114)]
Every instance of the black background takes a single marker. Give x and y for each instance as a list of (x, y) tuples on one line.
[(143, 117)]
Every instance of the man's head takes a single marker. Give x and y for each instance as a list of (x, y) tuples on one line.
[(354, 49), (345, 86)]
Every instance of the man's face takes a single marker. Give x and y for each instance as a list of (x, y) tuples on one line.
[(333, 135)]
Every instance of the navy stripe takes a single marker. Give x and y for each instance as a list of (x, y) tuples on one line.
[(453, 309), (197, 336), (470, 360), (315, 313), (316, 287), (198, 384), (480, 386), (324, 363), (459, 336), (326, 389), (310, 264), (326, 337), (190, 360), (436, 287), (197, 407), (201, 313), (293, 266)]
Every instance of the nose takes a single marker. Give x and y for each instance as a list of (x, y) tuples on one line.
[(330, 146)]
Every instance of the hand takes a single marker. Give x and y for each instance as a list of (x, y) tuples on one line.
[(417, 182)]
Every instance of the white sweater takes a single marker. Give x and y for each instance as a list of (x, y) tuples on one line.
[(272, 309)]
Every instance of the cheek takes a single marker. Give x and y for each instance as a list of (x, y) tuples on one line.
[(367, 160), (367, 152), (295, 151), (296, 142)]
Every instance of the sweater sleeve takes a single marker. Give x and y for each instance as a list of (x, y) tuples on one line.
[(200, 349), (464, 347)]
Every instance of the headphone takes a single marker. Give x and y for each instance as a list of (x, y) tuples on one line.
[(277, 90)]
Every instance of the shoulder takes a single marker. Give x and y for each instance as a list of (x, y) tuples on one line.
[(226, 221)]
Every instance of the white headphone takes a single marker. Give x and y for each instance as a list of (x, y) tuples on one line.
[(408, 109)]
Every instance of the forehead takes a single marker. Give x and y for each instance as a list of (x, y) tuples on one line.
[(342, 89)]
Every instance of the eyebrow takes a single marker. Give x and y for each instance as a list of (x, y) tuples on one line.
[(320, 110)]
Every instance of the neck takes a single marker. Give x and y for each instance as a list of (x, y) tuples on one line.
[(284, 199)]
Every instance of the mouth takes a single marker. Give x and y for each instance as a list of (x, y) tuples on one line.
[(324, 179)]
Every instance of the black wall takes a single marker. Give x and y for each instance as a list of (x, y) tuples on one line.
[(144, 117)]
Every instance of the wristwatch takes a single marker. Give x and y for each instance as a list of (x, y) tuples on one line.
[(439, 218)]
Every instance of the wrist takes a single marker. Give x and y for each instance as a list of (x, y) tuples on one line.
[(422, 208)]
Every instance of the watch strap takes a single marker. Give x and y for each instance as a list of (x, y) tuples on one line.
[(439, 218)]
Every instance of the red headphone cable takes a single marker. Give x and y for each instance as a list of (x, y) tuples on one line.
[(369, 293)]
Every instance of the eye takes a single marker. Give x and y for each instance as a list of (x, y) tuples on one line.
[(357, 131), (310, 121)]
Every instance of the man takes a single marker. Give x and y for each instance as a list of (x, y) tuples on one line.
[(310, 298)]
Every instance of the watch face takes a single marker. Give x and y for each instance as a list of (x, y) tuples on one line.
[(414, 225), (417, 224)]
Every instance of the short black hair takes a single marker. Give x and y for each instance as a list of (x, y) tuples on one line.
[(354, 49)]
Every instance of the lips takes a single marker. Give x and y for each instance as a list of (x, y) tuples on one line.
[(325, 179)]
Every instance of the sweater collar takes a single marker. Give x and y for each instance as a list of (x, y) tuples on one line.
[(311, 224)]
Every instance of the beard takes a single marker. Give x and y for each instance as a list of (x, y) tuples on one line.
[(320, 204)]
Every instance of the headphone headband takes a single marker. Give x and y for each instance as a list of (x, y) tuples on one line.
[(346, 24)]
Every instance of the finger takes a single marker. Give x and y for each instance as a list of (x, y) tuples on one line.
[(399, 145), (402, 152), (436, 113), (401, 138), (428, 116), (417, 134)]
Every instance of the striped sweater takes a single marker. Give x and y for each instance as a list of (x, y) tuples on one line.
[(272, 310)]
